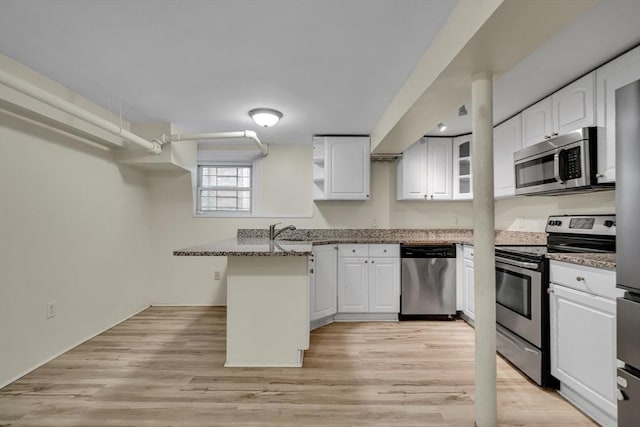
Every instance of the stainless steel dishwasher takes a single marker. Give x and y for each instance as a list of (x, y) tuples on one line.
[(428, 283)]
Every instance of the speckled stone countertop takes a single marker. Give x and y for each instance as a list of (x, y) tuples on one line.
[(254, 242), (605, 261)]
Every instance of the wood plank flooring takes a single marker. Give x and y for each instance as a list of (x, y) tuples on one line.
[(164, 367)]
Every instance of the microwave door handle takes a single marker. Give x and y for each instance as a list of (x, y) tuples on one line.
[(556, 167)]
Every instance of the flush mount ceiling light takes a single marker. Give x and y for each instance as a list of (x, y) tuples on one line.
[(442, 127), (266, 117)]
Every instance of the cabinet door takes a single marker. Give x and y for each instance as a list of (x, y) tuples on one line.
[(507, 139), (347, 165), (384, 285), (412, 172), (460, 288), (439, 164), (583, 345), (324, 301), (537, 123), (574, 106), (469, 294), (611, 76), (462, 184), (353, 285)]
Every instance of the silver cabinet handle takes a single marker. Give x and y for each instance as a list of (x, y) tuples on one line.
[(372, 261), (621, 395), (385, 251), (554, 134), (354, 251), (311, 271), (366, 262), (550, 291), (580, 278), (622, 382)]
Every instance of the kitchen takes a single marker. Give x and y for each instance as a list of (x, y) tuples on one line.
[(169, 225)]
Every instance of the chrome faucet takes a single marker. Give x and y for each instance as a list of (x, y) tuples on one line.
[(273, 233)]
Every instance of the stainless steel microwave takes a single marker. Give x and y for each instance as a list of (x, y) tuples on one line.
[(565, 163)]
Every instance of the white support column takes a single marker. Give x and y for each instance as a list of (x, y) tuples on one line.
[(484, 242)]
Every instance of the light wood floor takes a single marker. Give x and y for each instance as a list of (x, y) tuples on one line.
[(163, 367)]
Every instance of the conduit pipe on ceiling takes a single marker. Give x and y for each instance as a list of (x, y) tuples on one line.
[(42, 95), (249, 134)]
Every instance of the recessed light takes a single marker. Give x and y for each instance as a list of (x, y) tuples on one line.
[(265, 117), (442, 127)]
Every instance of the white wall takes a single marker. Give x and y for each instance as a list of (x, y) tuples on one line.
[(74, 230), (286, 190)]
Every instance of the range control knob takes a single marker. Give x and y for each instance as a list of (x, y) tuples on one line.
[(608, 223), (555, 222), (550, 223)]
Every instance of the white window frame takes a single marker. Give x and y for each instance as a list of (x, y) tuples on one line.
[(200, 188)]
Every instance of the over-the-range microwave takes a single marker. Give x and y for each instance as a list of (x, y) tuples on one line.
[(562, 164)]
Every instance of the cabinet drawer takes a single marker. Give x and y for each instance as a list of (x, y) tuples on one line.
[(594, 281), (468, 252), (384, 251), (353, 250)]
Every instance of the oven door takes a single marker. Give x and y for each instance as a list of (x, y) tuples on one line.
[(519, 299)]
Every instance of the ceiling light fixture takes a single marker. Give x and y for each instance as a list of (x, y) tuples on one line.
[(442, 127), (462, 111), (266, 117)]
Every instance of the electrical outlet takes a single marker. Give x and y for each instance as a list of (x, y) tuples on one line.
[(520, 222), (216, 275), (456, 220), (51, 309)]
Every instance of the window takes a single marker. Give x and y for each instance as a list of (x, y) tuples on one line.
[(224, 188)]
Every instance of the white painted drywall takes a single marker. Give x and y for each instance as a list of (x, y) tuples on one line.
[(287, 190), (74, 230)]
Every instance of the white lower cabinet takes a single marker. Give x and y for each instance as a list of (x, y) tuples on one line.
[(583, 340), (323, 282), (384, 285), (353, 285), (369, 284), (466, 285)]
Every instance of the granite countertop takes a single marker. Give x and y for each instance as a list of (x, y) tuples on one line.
[(249, 247), (300, 242), (597, 260)]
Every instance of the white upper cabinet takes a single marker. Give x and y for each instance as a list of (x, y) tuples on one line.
[(462, 184), (611, 76), (574, 106), (412, 172), (425, 171), (537, 123), (507, 139), (570, 108), (439, 174), (341, 168)]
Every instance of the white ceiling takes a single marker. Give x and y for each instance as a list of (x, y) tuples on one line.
[(331, 66)]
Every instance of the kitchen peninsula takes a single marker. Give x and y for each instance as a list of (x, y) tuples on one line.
[(268, 284)]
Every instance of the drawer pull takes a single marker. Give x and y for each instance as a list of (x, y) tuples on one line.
[(580, 278), (550, 291), (385, 251), (621, 395), (354, 251)]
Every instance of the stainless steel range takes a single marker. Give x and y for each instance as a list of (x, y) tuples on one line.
[(522, 282)]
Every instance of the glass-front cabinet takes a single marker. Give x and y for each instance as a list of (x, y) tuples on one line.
[(462, 184)]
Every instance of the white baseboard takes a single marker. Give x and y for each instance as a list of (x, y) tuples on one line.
[(592, 411), (39, 364), (365, 317)]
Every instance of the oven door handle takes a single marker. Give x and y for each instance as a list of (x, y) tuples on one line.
[(529, 265), (556, 167)]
